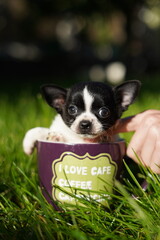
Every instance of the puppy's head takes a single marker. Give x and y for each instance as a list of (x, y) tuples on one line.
[(91, 108)]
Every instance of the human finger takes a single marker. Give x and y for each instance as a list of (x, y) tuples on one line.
[(135, 145), (148, 150), (155, 164), (155, 160), (131, 123), (124, 125), (143, 141), (148, 145)]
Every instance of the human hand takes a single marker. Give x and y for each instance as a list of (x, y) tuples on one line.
[(146, 140)]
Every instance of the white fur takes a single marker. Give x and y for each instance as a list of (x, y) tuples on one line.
[(96, 125), (87, 115), (88, 99), (31, 138), (59, 127)]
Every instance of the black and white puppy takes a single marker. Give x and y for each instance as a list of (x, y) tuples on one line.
[(86, 112)]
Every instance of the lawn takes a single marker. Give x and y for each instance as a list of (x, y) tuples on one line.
[(24, 213)]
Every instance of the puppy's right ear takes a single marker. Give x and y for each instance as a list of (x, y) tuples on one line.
[(55, 96)]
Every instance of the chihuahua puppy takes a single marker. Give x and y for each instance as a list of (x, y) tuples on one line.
[(87, 112)]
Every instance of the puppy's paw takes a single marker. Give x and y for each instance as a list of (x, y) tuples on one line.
[(31, 137), (28, 143), (55, 137)]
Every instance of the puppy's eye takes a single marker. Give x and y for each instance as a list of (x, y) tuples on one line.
[(72, 110), (104, 112)]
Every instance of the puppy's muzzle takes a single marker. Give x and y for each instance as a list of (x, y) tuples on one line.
[(85, 127)]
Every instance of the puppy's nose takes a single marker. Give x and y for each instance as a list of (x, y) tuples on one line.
[(85, 125)]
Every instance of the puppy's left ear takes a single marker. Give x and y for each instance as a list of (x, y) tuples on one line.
[(55, 96), (126, 93)]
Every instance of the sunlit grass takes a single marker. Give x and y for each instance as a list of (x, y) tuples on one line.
[(24, 213)]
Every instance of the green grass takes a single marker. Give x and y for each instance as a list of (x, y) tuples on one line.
[(24, 213)]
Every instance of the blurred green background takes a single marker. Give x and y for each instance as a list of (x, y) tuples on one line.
[(63, 41)]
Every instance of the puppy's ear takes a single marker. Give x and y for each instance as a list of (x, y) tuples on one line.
[(126, 93), (55, 96)]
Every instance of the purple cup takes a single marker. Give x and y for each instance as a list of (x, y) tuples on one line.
[(78, 168)]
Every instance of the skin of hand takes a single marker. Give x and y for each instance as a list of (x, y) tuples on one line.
[(145, 141)]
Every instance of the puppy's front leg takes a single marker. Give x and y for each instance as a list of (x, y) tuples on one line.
[(31, 138)]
